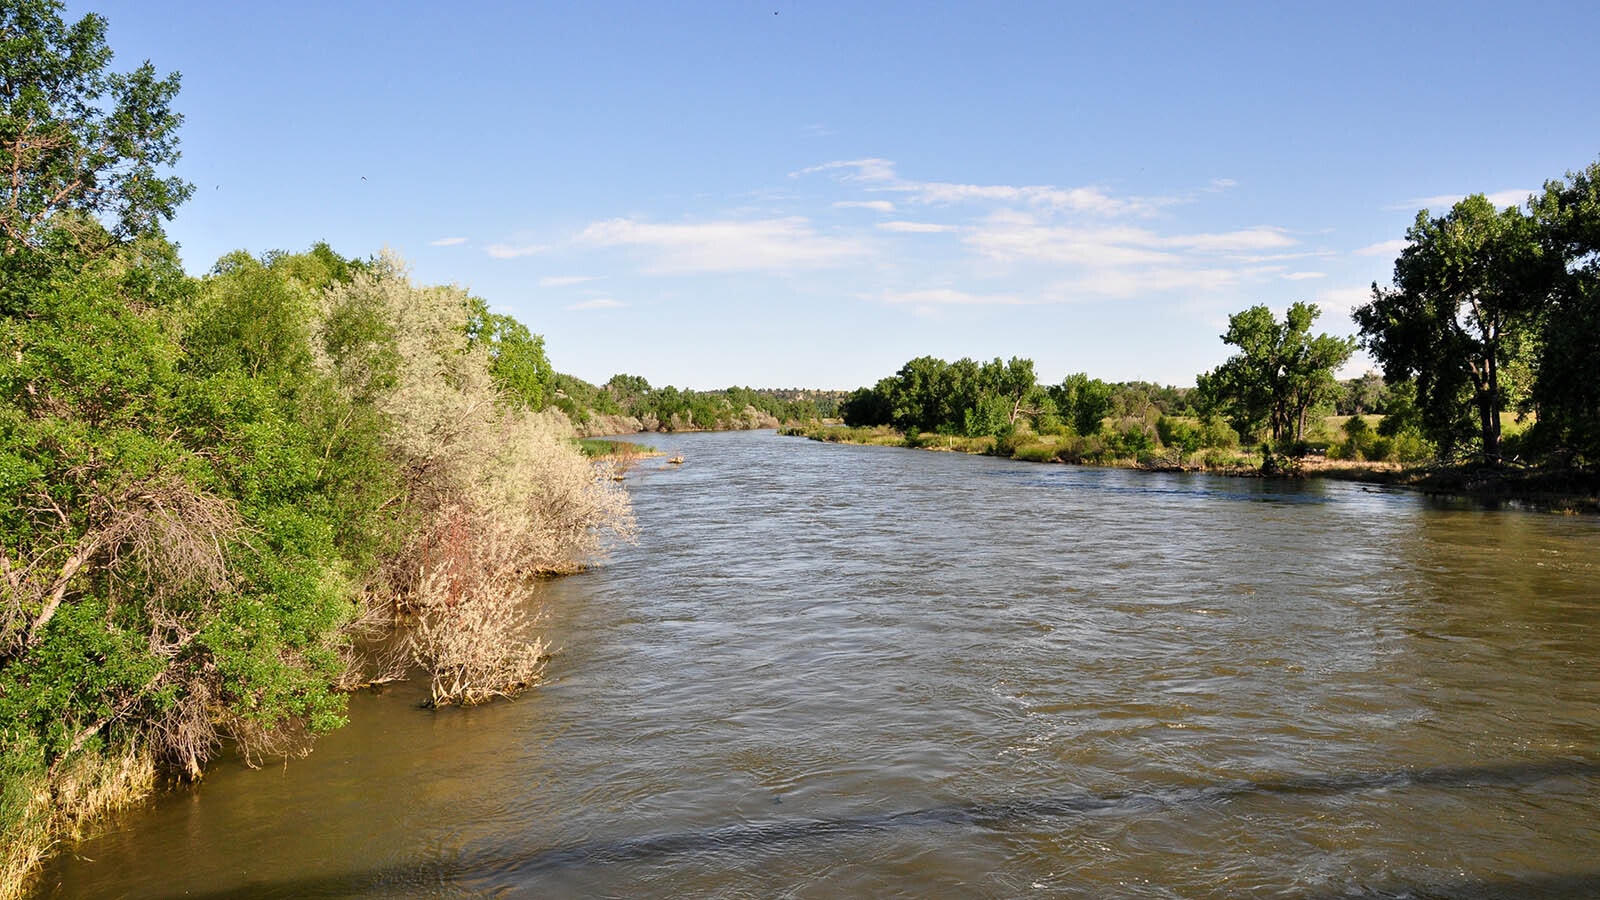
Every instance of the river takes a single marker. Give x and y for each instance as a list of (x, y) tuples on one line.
[(833, 671)]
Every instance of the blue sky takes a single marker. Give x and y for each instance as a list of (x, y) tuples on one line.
[(809, 194)]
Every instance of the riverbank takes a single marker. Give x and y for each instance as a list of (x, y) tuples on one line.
[(1565, 491)]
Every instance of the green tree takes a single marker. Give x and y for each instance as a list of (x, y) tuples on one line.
[(1567, 389), (517, 361), (1083, 401), (1469, 289), (74, 136), (1280, 373), (1015, 384), (871, 406)]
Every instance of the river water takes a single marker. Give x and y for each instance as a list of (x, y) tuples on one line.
[(847, 671)]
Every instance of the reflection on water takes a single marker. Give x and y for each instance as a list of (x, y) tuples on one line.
[(835, 670)]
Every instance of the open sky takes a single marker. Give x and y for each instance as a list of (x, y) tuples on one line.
[(809, 193)]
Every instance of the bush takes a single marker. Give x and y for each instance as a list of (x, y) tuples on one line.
[(1215, 433), (1178, 434)]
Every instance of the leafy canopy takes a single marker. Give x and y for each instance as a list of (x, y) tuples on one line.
[(1462, 317), (1280, 373), (74, 136)]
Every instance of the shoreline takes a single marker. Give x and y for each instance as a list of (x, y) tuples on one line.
[(1572, 492)]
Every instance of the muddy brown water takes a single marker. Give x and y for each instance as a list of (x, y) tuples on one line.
[(844, 671)]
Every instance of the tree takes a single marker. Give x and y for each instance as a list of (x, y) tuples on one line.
[(517, 361), (1082, 401), (1280, 373), (1464, 310), (1567, 388), (869, 406), (74, 137), (1014, 383), (1362, 395)]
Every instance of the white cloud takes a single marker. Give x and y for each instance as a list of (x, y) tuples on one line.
[(1261, 238), (1382, 248), (1438, 204), (915, 227), (1084, 199), (947, 297), (555, 281), (872, 170), (447, 242), (1018, 239), (1340, 301), (726, 246), (512, 251), (1302, 276), (1134, 281), (1098, 247), (598, 303), (880, 175), (884, 206)]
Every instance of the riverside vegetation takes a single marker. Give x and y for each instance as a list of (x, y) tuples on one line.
[(1489, 342), (226, 501)]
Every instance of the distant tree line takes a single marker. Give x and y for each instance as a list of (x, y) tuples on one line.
[(678, 409)]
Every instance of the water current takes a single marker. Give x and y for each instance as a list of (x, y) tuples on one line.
[(833, 671)]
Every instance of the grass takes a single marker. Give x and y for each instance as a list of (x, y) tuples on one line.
[(596, 448), (33, 816)]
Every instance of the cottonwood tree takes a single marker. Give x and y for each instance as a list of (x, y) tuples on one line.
[(1567, 389), (1463, 314), (74, 136), (1280, 373)]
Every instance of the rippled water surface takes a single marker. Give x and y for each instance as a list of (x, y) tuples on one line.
[(842, 671)]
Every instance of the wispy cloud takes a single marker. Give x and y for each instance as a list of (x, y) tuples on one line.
[(725, 246), (1133, 282), (1303, 276), (880, 175), (884, 206), (1382, 248), (947, 297), (915, 227), (1340, 301), (512, 251), (597, 303), (1063, 245), (447, 242), (1440, 203), (556, 281), (1099, 245), (872, 170)]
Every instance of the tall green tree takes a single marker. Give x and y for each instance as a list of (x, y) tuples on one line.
[(1567, 389), (75, 136), (1280, 373), (1463, 314)]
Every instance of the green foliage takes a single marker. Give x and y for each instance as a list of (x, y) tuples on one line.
[(1359, 442), (1178, 434), (1279, 375), (1567, 390), (1462, 319), (517, 361), (75, 137), (1083, 402)]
